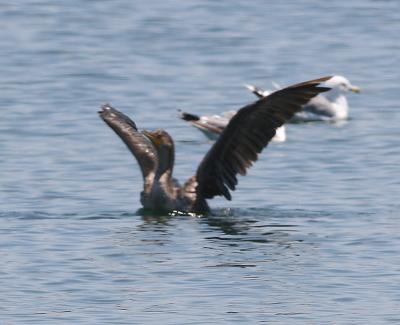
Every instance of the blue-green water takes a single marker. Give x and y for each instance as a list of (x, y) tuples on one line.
[(312, 233)]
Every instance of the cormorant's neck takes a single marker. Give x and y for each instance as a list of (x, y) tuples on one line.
[(166, 160)]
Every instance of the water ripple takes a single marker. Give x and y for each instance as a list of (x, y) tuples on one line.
[(311, 234)]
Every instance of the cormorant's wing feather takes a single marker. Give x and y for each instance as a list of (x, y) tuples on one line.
[(321, 106), (248, 132), (140, 146)]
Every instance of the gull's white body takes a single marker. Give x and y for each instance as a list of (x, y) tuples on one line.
[(331, 106)]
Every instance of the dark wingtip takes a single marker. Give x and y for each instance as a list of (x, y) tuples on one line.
[(314, 82), (323, 79), (323, 89), (109, 113), (106, 108), (189, 117)]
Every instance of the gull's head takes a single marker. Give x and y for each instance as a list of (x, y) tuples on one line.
[(342, 84)]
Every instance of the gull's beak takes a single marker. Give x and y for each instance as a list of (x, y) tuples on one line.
[(355, 89)]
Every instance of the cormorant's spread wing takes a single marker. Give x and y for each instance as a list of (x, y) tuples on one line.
[(248, 132), (140, 146)]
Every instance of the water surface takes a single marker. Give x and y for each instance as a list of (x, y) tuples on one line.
[(311, 234)]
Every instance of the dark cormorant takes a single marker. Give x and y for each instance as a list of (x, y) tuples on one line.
[(238, 146)]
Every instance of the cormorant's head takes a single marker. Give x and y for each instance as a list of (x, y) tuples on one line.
[(164, 145), (160, 139)]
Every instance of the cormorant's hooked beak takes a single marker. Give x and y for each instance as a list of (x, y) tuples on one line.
[(155, 140)]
